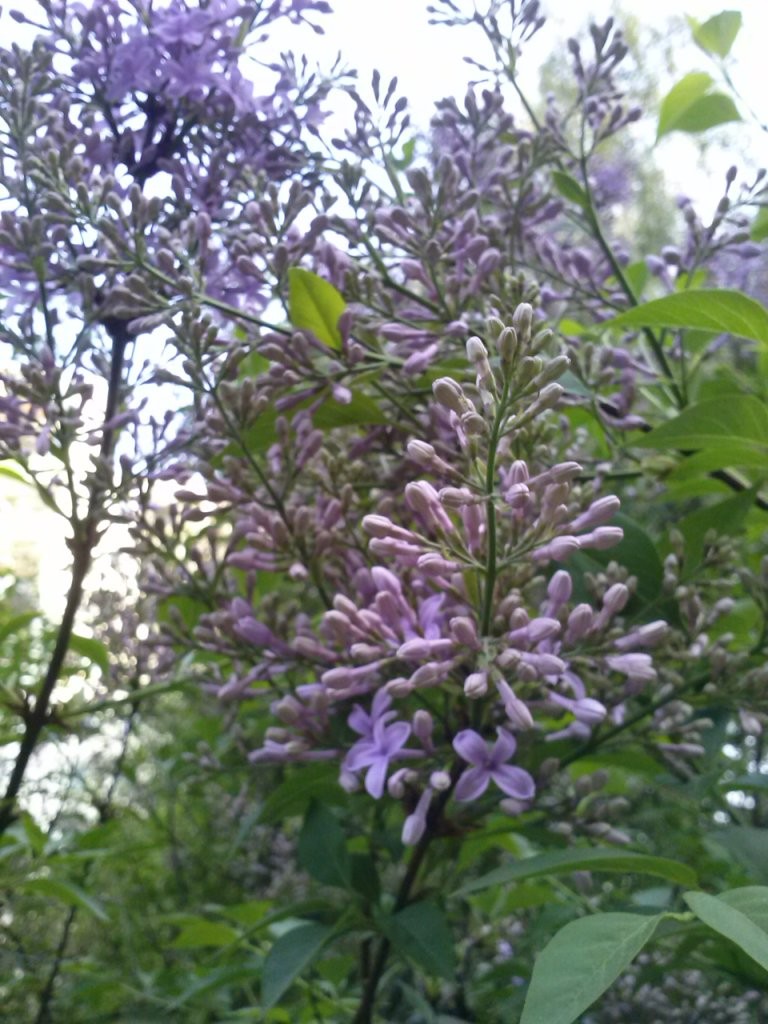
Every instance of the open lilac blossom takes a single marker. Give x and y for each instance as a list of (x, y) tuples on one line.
[(490, 765), (385, 743)]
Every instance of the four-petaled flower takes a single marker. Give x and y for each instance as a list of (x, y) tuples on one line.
[(490, 764), (375, 751)]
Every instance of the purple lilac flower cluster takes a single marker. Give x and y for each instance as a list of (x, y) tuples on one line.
[(437, 656)]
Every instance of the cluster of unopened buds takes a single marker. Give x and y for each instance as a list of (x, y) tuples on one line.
[(440, 659)]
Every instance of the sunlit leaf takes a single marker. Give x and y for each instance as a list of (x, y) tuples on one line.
[(720, 310), (315, 305), (716, 35)]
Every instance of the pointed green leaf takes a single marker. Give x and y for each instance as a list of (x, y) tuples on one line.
[(420, 933), (751, 900), (731, 922), (201, 932), (315, 305), (759, 229), (71, 895), (706, 112), (719, 310), (717, 34), (322, 849), (741, 421), (570, 189), (680, 97), (724, 517), (289, 956), (92, 649), (562, 862), (581, 962)]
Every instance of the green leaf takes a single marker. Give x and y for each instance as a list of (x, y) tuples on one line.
[(636, 552), (322, 849), (724, 517), (581, 962), (717, 34), (93, 650), (16, 624), (420, 933), (690, 106), (741, 421), (731, 922), (746, 845), (751, 900), (720, 310), (289, 956), (303, 784), (315, 305), (201, 932), (562, 862), (759, 229), (570, 189), (707, 112), (71, 895)]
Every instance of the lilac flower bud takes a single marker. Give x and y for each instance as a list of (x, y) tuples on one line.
[(428, 675), (580, 622), (589, 711), (440, 780), (388, 547), (450, 394), (399, 687), (646, 635), (380, 526), (426, 457), (418, 649), (435, 565), (637, 667), (457, 497), (615, 599), (386, 581), (423, 727), (474, 424), (559, 588), (349, 782), (599, 512), (554, 369), (423, 499), (518, 713), (557, 550), (464, 631), (522, 321), (476, 685), (415, 824), (601, 538), (507, 345), (343, 678), (396, 783)]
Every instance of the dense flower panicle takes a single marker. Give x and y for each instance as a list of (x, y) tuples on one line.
[(411, 627)]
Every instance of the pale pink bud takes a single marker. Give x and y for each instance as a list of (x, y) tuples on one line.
[(476, 685), (415, 824), (428, 675), (440, 780)]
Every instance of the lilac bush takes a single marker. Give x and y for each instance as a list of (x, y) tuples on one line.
[(463, 553)]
